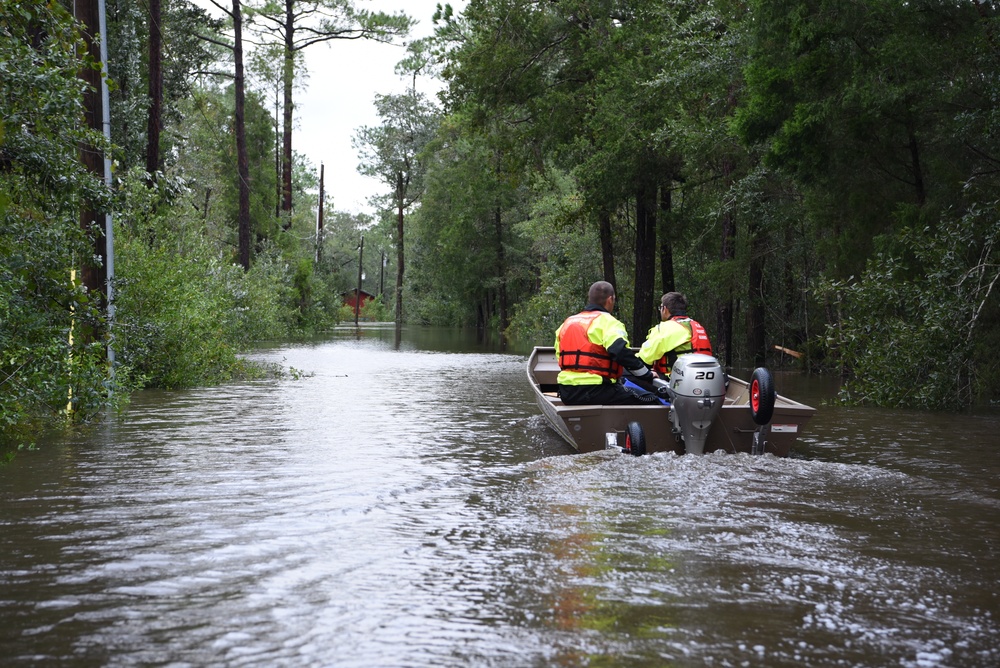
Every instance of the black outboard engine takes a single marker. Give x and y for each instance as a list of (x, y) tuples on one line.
[(698, 390)]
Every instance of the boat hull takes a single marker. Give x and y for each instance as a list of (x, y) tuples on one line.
[(587, 428)]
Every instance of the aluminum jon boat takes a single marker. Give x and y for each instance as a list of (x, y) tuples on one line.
[(708, 411)]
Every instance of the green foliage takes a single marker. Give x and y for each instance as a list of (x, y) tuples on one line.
[(184, 309), (858, 103), (800, 142), (560, 235), (44, 368), (128, 57), (42, 187), (316, 299), (906, 332), (376, 310), (469, 264), (206, 159)]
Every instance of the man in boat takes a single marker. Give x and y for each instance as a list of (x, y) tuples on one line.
[(674, 335), (592, 349)]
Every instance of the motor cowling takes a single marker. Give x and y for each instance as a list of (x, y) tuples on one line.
[(698, 389)]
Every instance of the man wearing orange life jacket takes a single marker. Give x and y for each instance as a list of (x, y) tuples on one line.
[(592, 349), (675, 335)]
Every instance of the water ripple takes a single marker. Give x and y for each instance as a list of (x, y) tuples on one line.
[(411, 508)]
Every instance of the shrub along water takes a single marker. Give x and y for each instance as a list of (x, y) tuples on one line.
[(185, 310)]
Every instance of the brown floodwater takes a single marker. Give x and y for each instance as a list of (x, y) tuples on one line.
[(405, 504)]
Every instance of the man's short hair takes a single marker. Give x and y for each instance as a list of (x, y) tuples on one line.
[(599, 292), (675, 302)]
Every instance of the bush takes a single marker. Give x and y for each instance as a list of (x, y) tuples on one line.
[(907, 330), (184, 311)]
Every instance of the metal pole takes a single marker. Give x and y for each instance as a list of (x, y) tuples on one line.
[(109, 233)]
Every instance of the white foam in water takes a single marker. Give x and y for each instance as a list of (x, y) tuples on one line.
[(829, 548)]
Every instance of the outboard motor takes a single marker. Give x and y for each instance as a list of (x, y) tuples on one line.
[(697, 390)]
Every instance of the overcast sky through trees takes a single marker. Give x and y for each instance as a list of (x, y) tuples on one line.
[(344, 77)]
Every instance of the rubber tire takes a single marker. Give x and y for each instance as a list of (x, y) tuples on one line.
[(762, 395), (635, 439)]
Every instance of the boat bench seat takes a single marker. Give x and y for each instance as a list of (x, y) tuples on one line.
[(546, 374)]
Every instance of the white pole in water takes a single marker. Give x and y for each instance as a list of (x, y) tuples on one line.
[(109, 234)]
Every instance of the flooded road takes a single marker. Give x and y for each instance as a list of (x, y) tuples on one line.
[(408, 506)]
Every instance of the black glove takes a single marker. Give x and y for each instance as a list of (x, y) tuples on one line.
[(648, 377)]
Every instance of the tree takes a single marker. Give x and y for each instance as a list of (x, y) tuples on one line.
[(726, 195), (242, 161), (391, 153), (299, 24), (569, 80), (859, 105), (266, 66), (469, 260), (148, 89), (239, 130)]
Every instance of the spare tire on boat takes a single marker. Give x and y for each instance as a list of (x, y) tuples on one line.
[(635, 439), (762, 396)]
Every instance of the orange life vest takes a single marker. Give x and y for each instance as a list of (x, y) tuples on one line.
[(579, 353), (699, 344)]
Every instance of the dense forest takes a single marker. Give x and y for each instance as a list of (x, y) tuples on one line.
[(814, 175)]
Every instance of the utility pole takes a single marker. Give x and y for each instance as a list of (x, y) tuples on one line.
[(357, 295), (109, 232), (381, 276), (93, 274), (97, 277)]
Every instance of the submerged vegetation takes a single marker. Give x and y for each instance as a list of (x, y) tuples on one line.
[(813, 176)]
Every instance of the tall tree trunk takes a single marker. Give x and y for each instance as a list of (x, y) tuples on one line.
[(319, 217), (289, 75), (917, 169), (399, 250), (92, 271), (756, 327), (790, 328), (154, 120), (242, 160), (664, 237), (501, 270), (645, 262), (278, 183), (607, 245), (727, 254)]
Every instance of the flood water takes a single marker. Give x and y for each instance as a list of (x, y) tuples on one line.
[(406, 505)]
